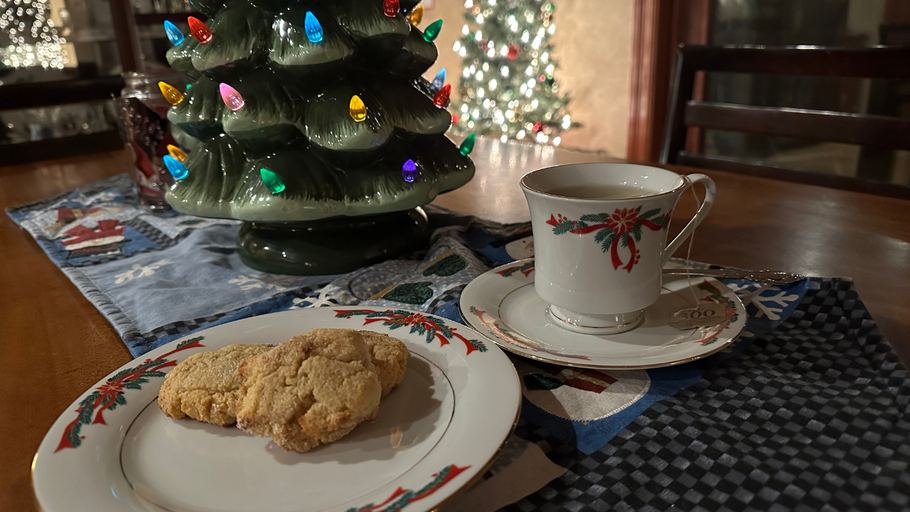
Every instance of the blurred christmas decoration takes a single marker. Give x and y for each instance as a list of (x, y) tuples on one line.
[(507, 89), (33, 38)]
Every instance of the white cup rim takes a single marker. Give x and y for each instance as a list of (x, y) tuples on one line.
[(528, 188)]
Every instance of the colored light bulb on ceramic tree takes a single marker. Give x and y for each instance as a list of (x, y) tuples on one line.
[(441, 99), (176, 152), (432, 32), (409, 171), (272, 181), (312, 27), (175, 167), (170, 93), (468, 145), (416, 15), (230, 97), (199, 30), (357, 109), (440, 79), (174, 35), (390, 8)]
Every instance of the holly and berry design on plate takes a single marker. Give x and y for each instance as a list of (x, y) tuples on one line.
[(112, 393), (431, 326), (623, 228)]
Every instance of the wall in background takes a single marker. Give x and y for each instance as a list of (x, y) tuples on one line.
[(593, 46)]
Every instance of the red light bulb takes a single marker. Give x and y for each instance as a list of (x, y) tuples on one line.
[(441, 99), (390, 8), (199, 30)]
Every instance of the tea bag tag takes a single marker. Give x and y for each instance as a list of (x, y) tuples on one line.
[(705, 314)]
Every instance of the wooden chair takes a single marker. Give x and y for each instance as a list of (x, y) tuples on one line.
[(864, 130)]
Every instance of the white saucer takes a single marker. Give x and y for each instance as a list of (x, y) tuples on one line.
[(503, 306)]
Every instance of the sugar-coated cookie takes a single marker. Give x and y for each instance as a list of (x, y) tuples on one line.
[(312, 389), (390, 356), (206, 386)]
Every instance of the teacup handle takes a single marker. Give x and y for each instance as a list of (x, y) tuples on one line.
[(700, 215)]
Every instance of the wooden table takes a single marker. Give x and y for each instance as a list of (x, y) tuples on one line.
[(54, 344)]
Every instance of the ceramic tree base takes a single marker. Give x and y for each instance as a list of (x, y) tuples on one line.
[(331, 246)]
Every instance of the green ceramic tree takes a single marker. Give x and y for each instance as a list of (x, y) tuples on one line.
[(315, 127)]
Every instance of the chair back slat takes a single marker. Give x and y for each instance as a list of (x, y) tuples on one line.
[(872, 131), (816, 125)]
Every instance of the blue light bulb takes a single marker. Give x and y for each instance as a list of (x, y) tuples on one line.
[(312, 27), (174, 35), (175, 167), (440, 79), (409, 171)]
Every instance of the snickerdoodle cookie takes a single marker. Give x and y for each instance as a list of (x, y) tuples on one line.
[(390, 357), (206, 386), (312, 389)]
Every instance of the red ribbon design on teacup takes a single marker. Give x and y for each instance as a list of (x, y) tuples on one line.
[(622, 227)]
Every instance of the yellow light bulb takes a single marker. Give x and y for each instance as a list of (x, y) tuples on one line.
[(176, 152), (170, 93), (357, 109), (416, 15)]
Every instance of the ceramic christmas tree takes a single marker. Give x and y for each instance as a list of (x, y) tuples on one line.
[(315, 128)]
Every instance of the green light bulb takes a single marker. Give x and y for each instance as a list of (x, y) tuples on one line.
[(467, 146), (272, 181), (432, 32)]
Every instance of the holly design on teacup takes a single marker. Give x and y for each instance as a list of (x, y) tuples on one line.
[(623, 228)]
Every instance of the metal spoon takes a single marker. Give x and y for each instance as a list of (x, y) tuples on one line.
[(761, 276)]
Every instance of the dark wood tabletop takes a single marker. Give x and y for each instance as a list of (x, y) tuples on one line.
[(54, 344)]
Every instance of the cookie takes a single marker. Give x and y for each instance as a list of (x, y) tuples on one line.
[(312, 389), (390, 356), (206, 386)]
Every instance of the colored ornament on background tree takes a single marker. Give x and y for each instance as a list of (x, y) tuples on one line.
[(409, 171), (230, 97), (272, 181), (174, 35), (538, 126), (170, 93), (175, 167), (357, 109), (312, 27), (432, 32), (441, 99), (468, 145), (416, 15), (440, 79), (390, 8), (199, 30), (513, 52), (176, 152), (456, 118)]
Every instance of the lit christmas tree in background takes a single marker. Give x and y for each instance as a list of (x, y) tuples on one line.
[(507, 85), (32, 37)]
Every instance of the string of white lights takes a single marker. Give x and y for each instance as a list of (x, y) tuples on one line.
[(507, 84), (33, 39)]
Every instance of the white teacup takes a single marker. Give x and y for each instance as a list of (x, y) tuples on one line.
[(600, 240)]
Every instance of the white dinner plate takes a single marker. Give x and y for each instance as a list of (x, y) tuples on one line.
[(503, 306), (114, 449)]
